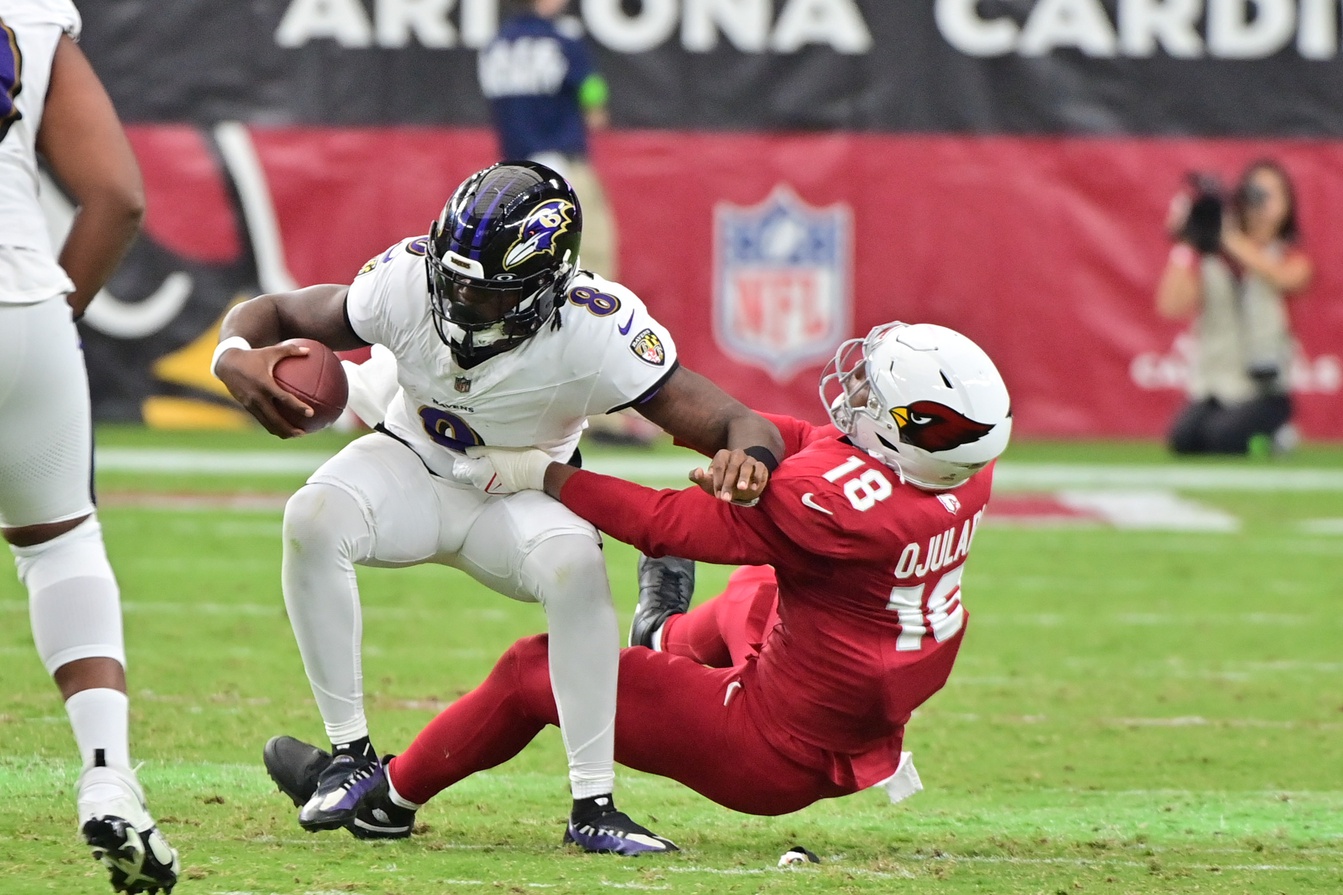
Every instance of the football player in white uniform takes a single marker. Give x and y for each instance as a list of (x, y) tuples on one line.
[(500, 340), (52, 104)]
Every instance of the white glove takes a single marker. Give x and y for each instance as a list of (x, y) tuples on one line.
[(503, 470)]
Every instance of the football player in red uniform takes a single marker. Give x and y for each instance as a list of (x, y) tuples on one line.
[(796, 684)]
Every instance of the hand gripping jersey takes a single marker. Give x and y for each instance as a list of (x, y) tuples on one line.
[(608, 353), (29, 33), (869, 575)]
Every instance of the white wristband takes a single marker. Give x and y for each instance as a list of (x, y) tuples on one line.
[(227, 345)]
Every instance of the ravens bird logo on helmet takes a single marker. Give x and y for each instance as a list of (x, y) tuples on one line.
[(539, 229)]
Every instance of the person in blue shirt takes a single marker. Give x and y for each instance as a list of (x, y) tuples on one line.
[(545, 94)]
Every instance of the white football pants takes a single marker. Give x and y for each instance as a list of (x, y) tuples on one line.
[(375, 504), (46, 439)]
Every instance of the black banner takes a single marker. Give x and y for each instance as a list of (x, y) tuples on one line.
[(1093, 67)]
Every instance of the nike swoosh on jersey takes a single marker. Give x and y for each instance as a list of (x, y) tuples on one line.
[(807, 501), (625, 330)]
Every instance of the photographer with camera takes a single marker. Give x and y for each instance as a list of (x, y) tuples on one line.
[(1235, 263)]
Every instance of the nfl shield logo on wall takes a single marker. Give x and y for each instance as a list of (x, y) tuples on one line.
[(782, 282)]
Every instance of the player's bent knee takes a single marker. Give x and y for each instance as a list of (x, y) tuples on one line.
[(566, 571), (562, 557), (303, 510), (524, 670), (73, 600), (527, 653), (319, 517), (76, 553)]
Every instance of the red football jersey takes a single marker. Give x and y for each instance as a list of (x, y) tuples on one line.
[(869, 572)]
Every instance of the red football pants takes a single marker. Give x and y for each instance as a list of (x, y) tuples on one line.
[(675, 717)]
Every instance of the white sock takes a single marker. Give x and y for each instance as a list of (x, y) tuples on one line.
[(397, 798), (99, 719)]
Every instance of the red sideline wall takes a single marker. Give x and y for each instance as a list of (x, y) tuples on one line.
[(1045, 250)]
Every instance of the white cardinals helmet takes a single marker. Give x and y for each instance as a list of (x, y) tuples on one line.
[(924, 399)]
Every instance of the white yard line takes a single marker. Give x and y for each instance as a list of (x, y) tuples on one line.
[(208, 463), (1033, 620), (1147, 509), (1133, 498), (843, 869), (1044, 476), (1010, 476), (1100, 862), (1176, 721), (1322, 526)]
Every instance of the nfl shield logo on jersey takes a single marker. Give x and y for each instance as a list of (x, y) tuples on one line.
[(782, 282)]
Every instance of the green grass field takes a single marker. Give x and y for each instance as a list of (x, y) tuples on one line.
[(1135, 709)]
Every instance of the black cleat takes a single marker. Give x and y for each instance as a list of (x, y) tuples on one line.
[(613, 833), (122, 835), (295, 766), (666, 586), (339, 788), (140, 861), (378, 817)]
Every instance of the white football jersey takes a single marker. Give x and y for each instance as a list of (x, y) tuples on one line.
[(608, 353), (29, 32)]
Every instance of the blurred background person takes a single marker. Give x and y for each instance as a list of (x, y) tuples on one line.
[(52, 105), (545, 95), (1235, 264)]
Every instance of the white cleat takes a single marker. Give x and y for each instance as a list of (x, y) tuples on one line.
[(117, 827)]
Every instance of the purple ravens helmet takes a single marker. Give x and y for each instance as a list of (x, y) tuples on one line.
[(501, 257)]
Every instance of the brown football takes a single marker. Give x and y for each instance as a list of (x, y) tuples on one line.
[(318, 380)]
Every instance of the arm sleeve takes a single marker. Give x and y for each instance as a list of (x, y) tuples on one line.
[(638, 354), (61, 13), (686, 523), (381, 285), (365, 304)]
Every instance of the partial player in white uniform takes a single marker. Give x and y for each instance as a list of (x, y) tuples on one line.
[(52, 105), (499, 340)]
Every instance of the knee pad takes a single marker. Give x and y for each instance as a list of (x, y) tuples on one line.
[(74, 605)]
